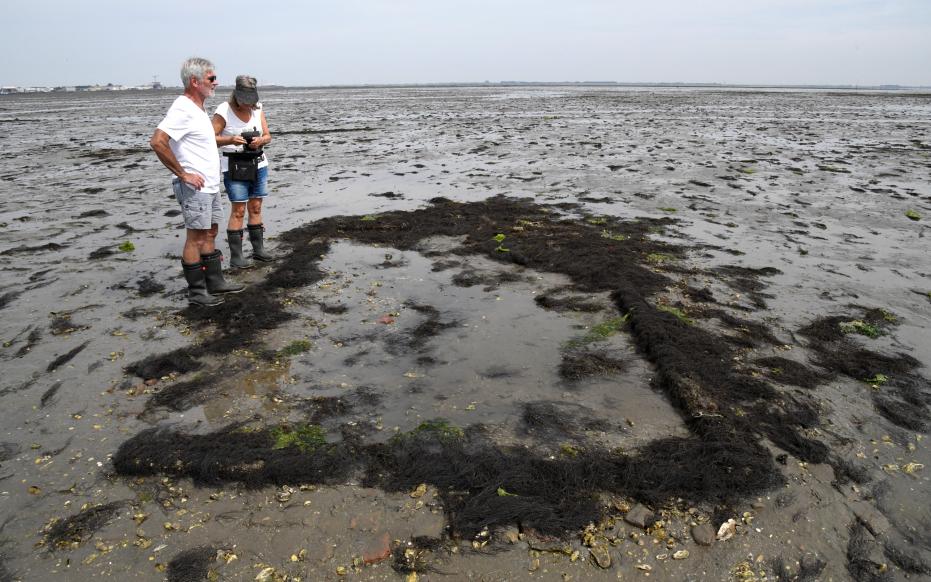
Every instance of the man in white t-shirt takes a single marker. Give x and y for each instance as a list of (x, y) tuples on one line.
[(184, 141)]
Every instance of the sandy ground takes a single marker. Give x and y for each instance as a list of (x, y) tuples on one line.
[(816, 185)]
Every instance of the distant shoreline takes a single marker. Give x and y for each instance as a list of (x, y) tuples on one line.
[(15, 90)]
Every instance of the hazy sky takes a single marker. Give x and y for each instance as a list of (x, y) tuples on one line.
[(858, 42)]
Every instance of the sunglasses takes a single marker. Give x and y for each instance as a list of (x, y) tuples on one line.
[(212, 78)]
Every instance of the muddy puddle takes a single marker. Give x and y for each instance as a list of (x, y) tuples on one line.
[(514, 334)]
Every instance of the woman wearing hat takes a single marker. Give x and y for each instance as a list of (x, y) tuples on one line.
[(243, 114)]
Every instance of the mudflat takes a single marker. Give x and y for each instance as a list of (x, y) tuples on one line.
[(525, 333)]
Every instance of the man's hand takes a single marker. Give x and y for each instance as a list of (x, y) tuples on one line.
[(195, 181), (159, 143)]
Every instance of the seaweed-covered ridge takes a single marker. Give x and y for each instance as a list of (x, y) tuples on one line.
[(734, 414)]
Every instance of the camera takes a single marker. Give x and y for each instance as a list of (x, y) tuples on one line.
[(250, 135)]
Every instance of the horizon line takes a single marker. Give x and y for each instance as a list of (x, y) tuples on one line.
[(515, 82)]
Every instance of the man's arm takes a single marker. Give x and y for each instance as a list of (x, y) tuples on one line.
[(159, 143)]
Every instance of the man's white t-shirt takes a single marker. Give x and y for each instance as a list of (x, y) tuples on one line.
[(193, 142), (235, 126)]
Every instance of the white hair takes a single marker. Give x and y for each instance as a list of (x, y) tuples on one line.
[(194, 67)]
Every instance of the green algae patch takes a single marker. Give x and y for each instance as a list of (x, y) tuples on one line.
[(569, 450), (877, 380), (599, 332), (612, 236), (441, 428), (606, 329), (127, 247), (499, 238), (306, 437), (860, 327), (680, 315), (658, 258), (295, 348), (912, 214)]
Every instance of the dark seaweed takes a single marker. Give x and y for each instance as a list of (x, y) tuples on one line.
[(181, 396), (191, 565), (559, 419), (578, 365), (728, 410), (903, 398), (786, 371), (570, 303), (149, 286), (321, 408), (161, 365), (77, 529), (31, 340), (28, 250), (8, 297), (747, 280), (66, 357), (860, 565), (49, 396), (93, 213), (8, 451), (102, 253), (809, 570), (552, 496), (907, 559)]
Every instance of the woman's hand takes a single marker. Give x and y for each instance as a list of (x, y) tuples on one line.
[(237, 140)]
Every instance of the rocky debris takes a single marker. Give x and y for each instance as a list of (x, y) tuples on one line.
[(727, 530), (379, 550), (639, 516), (600, 556), (511, 535), (555, 546), (703, 534)]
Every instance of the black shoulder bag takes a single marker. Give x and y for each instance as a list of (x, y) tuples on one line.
[(244, 165)]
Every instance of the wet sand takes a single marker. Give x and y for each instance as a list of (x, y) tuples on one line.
[(777, 209)]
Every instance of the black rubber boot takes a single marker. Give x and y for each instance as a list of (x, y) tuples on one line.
[(237, 261), (256, 237), (213, 272), (197, 286)]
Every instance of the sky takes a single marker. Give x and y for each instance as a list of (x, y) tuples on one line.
[(357, 42)]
